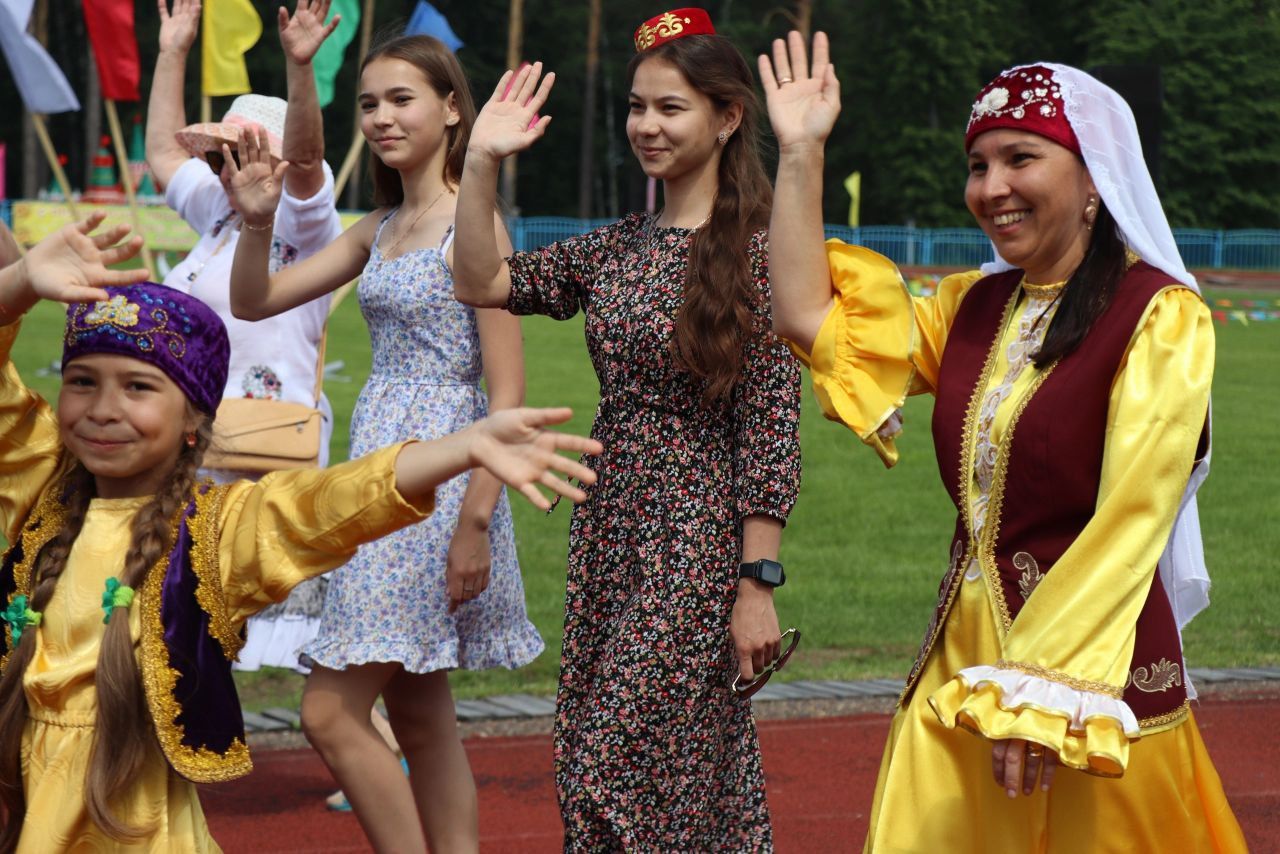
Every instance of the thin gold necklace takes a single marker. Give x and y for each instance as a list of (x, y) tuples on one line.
[(388, 253)]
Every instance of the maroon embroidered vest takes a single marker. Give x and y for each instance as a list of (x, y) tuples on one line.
[(1046, 486)]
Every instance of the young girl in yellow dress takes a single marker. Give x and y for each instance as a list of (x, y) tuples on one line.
[(128, 582)]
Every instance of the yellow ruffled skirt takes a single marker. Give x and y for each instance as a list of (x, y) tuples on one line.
[(936, 791)]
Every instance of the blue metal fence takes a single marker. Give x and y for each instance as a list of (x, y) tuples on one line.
[(1244, 249), (1250, 249)]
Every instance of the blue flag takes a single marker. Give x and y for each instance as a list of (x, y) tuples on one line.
[(427, 21)]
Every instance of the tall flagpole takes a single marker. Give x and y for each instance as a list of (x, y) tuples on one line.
[(126, 179), (357, 145), (586, 159), (42, 132), (515, 46), (357, 139)]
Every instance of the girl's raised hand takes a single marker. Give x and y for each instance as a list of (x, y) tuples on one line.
[(506, 124), (70, 265), (255, 185), (514, 446), (178, 27), (302, 34), (803, 100)]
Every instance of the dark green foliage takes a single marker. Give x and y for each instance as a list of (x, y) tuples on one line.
[(909, 70)]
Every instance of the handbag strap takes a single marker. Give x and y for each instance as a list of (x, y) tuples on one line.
[(324, 340)]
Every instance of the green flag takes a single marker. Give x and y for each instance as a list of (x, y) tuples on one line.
[(853, 184), (328, 59)]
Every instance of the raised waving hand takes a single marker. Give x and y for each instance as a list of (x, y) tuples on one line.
[(255, 184), (178, 28), (803, 99), (507, 125), (302, 33), (70, 265)]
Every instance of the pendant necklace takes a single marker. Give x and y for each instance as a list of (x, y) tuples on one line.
[(228, 225), (389, 252)]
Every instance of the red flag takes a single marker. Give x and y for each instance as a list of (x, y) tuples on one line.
[(115, 47)]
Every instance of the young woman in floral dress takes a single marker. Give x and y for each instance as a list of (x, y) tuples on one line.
[(698, 415), (445, 594)]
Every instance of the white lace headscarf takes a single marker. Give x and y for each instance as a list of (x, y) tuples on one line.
[(1112, 152)]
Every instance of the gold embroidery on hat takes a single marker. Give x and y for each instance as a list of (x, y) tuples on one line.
[(668, 26), (116, 317), (116, 311)]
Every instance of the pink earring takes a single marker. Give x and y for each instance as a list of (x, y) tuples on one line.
[(190, 439)]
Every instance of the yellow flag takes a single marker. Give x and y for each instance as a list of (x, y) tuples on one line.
[(230, 28), (853, 184)]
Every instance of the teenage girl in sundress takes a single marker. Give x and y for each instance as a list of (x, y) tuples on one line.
[(442, 595)]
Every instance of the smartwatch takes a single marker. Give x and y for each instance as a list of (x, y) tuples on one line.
[(765, 571)]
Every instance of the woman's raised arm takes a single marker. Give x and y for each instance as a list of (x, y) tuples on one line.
[(803, 105), (508, 123)]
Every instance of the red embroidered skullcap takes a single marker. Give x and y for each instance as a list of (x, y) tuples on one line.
[(1023, 98), (672, 25)]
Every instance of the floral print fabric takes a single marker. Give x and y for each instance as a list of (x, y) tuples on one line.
[(653, 751), (390, 602)]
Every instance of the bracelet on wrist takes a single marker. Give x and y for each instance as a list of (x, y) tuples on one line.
[(244, 223)]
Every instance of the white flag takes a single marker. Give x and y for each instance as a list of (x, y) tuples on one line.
[(42, 85)]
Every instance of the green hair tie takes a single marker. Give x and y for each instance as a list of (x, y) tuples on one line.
[(115, 596), (19, 616)]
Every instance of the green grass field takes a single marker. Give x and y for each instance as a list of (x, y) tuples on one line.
[(865, 546)]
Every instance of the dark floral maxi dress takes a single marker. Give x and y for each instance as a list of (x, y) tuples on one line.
[(653, 751)]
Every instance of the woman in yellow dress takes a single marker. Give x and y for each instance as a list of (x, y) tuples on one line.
[(105, 729), (1071, 379)]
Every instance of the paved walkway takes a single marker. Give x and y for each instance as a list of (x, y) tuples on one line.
[(527, 706), (820, 773)]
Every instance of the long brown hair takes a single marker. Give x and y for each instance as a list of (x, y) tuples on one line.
[(716, 318), (444, 75), (1088, 292), (123, 732)]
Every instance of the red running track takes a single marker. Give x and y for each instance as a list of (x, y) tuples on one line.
[(821, 772)]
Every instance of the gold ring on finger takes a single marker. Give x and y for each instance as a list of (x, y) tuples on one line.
[(784, 80)]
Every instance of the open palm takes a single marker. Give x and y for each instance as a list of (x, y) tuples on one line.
[(803, 100), (302, 34), (514, 446), (507, 124), (255, 185), (179, 26), (70, 265)]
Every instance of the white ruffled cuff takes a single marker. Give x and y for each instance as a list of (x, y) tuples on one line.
[(1089, 730), (1020, 690)]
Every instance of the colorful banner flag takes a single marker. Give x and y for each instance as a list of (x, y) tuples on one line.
[(427, 21), (853, 185), (115, 48), (229, 29), (42, 85), (328, 59)]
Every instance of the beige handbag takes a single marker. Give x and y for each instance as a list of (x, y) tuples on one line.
[(259, 435)]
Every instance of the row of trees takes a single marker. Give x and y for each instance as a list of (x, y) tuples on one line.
[(909, 70)]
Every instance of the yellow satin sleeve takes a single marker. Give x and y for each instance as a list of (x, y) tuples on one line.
[(29, 441), (878, 344), (1072, 642), (293, 525)]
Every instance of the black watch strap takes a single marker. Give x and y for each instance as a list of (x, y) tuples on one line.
[(764, 570)]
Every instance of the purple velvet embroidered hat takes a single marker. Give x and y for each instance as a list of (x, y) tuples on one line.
[(174, 331)]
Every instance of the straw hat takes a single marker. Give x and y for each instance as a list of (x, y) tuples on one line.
[(246, 111)]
